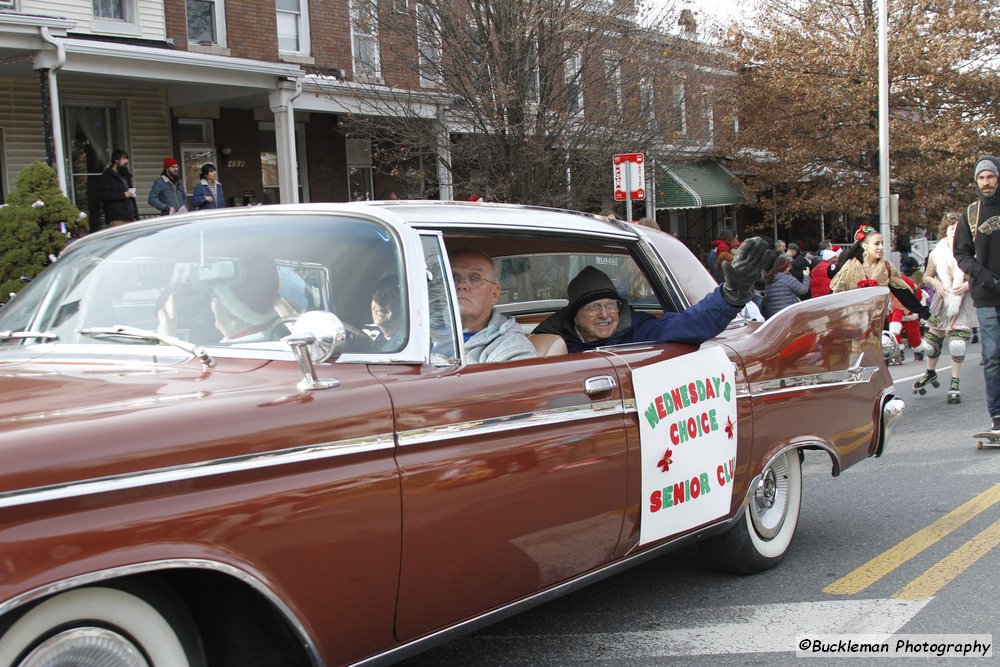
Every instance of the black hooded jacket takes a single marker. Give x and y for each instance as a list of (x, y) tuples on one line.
[(978, 254), (117, 206)]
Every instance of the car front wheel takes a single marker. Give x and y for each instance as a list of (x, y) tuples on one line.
[(760, 539), (96, 626)]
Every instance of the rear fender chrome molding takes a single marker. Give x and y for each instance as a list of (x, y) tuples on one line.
[(795, 383), (197, 470), (111, 574)]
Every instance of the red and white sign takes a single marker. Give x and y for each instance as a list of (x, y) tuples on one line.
[(687, 437), (630, 174)]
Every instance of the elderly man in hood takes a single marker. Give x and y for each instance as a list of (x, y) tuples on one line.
[(597, 316), (977, 251), (490, 335)]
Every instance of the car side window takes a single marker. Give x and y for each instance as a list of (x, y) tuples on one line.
[(543, 277)]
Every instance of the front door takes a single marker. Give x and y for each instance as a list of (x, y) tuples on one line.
[(513, 479)]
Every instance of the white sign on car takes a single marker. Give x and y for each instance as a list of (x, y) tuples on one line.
[(687, 430)]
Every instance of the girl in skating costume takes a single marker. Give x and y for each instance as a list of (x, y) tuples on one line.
[(953, 307)]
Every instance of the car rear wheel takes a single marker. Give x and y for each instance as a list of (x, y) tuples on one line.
[(98, 626), (760, 539)]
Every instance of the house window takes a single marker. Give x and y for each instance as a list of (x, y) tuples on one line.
[(707, 128), (531, 67), (111, 9), (429, 46), (648, 102), (8, 4), (364, 39), (206, 22), (613, 75), (293, 26), (574, 81), (196, 131), (360, 177), (680, 109)]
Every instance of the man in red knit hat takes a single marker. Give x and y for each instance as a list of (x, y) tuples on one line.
[(167, 194)]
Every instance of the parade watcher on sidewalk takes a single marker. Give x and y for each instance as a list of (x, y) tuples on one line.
[(977, 251)]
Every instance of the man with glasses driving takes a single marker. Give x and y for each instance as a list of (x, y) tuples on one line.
[(597, 316), (490, 336)]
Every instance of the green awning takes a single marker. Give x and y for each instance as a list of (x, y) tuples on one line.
[(696, 185)]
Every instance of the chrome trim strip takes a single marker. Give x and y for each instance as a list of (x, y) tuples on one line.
[(468, 429), (812, 381), (197, 470), (173, 564)]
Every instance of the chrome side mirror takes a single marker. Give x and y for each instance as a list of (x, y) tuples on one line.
[(316, 336)]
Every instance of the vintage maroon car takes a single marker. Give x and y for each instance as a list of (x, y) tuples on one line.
[(308, 491)]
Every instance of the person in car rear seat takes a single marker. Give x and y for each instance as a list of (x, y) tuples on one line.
[(489, 334), (597, 316)]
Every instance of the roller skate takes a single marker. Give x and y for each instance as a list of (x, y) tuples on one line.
[(920, 386), (954, 395)]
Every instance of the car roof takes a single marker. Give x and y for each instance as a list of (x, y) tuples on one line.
[(441, 214)]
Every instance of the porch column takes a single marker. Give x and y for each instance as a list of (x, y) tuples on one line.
[(281, 102), (47, 63)]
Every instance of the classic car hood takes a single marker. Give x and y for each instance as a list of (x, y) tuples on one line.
[(34, 390), (64, 422)]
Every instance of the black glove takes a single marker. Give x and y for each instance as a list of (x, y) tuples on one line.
[(994, 283), (743, 271)]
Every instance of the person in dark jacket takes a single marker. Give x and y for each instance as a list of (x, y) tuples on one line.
[(597, 316), (208, 193), (977, 251), (799, 262), (167, 194), (782, 288), (117, 191)]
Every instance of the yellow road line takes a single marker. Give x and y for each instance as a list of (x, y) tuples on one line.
[(867, 574), (952, 565)]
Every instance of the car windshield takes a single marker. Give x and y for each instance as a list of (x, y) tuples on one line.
[(234, 282)]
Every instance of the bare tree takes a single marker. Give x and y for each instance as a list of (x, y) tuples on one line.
[(809, 105), (536, 95)]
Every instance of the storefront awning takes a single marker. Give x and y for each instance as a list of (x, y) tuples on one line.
[(696, 185)]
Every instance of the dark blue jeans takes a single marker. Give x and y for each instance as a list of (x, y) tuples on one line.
[(989, 336)]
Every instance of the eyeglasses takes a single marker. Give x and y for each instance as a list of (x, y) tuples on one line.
[(609, 305), (473, 280)]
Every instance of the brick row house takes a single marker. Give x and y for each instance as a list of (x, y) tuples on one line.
[(268, 92)]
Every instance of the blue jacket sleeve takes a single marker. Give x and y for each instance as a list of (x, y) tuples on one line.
[(702, 321), (198, 198), (154, 196)]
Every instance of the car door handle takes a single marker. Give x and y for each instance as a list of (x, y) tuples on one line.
[(599, 384)]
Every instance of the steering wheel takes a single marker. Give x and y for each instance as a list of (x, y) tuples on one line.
[(286, 321)]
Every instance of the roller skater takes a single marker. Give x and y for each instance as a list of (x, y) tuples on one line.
[(929, 377), (954, 395), (952, 305)]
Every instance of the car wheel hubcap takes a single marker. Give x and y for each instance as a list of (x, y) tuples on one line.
[(94, 647), (770, 501)]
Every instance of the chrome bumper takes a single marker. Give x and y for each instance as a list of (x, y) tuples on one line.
[(892, 409)]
